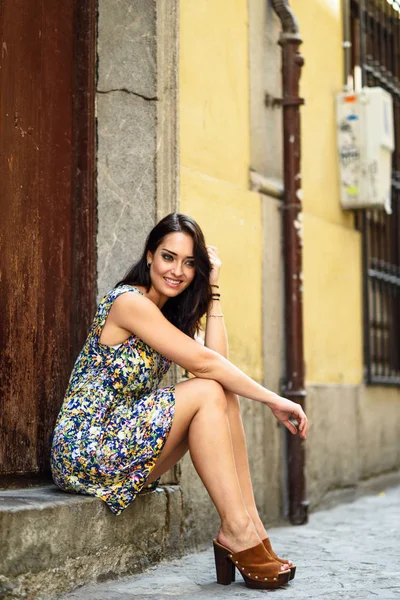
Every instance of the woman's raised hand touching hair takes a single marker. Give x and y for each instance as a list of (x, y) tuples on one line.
[(216, 264)]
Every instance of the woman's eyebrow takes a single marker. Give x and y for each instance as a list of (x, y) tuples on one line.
[(174, 253)]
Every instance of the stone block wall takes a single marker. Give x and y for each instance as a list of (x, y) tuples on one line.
[(353, 438), (136, 126)]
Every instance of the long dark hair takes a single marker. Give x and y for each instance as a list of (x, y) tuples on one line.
[(185, 310)]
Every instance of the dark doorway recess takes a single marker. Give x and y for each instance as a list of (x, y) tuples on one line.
[(48, 221)]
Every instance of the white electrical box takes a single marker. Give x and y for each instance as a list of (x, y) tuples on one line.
[(365, 143)]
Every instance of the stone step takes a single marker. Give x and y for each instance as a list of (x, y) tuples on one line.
[(53, 542)]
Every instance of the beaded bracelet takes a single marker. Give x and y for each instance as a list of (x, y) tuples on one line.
[(219, 315), (214, 285)]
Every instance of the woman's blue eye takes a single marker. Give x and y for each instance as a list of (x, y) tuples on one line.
[(168, 257)]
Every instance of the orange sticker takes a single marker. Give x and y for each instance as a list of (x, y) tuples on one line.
[(350, 98)]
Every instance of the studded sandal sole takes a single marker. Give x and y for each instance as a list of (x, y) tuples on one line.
[(269, 549), (255, 565)]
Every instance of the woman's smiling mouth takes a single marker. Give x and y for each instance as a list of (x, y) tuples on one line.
[(172, 282)]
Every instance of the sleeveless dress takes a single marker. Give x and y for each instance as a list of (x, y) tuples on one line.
[(114, 420)]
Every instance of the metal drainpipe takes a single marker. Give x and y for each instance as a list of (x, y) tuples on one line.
[(294, 386)]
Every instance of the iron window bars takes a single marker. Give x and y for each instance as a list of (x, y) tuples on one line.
[(375, 31)]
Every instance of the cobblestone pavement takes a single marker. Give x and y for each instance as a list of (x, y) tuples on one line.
[(348, 552)]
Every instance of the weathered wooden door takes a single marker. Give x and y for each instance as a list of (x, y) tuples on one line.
[(47, 220)]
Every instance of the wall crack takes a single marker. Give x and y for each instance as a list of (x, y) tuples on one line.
[(126, 91)]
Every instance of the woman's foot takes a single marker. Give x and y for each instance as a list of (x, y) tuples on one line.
[(255, 564), (263, 535), (242, 536), (267, 543), (283, 561), (238, 536)]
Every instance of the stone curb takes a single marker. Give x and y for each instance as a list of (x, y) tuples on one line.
[(53, 542)]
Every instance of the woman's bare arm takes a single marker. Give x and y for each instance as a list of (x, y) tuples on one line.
[(143, 318), (216, 337)]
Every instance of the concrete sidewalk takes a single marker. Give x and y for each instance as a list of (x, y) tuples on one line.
[(351, 551)]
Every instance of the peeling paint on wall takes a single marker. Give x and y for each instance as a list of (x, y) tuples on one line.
[(298, 224)]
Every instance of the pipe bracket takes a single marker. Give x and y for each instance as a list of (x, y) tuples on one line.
[(295, 393), (292, 101)]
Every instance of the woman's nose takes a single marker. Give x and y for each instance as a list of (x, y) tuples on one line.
[(177, 269)]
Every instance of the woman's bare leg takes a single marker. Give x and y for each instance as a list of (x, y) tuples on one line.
[(201, 418), (242, 461), (164, 465), (240, 457)]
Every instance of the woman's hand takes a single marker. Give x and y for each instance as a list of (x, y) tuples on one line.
[(215, 264), (284, 410)]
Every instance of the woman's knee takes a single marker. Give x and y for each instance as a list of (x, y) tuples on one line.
[(212, 393), (199, 392)]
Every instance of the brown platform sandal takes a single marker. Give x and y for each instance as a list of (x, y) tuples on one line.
[(255, 565), (269, 549)]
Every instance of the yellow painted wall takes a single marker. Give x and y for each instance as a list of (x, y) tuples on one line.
[(214, 143), (332, 249)]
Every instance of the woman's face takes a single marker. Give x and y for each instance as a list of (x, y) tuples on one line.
[(172, 266)]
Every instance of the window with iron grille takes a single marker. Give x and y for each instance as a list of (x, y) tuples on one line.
[(375, 32)]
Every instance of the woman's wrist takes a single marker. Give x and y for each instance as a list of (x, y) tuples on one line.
[(215, 301), (215, 296), (214, 309), (273, 399)]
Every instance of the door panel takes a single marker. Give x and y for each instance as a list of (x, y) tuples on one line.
[(47, 230)]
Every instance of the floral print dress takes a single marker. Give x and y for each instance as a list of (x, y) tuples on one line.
[(114, 419)]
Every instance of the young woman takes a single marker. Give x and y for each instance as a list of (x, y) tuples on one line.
[(118, 431)]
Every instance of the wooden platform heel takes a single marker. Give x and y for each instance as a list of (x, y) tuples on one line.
[(223, 565), (258, 569)]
